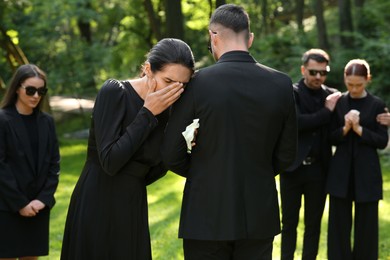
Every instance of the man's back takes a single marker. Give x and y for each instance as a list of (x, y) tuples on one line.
[(247, 134)]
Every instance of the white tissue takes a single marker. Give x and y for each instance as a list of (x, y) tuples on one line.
[(189, 133)]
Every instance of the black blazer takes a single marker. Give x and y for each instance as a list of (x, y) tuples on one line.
[(20, 181), (312, 123), (247, 135), (357, 155)]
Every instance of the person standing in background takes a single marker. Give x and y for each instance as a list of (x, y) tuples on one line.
[(354, 181), (29, 167), (306, 176), (246, 136)]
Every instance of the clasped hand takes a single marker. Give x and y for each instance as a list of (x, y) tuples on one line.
[(32, 209), (158, 101), (352, 121)]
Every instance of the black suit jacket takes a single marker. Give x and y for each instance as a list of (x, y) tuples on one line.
[(357, 156), (312, 123), (247, 135), (20, 181)]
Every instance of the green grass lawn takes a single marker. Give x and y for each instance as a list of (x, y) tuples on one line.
[(164, 209)]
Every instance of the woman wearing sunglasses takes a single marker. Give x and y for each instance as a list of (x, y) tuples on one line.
[(29, 167)]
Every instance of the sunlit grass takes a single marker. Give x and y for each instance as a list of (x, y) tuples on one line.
[(73, 155), (164, 197)]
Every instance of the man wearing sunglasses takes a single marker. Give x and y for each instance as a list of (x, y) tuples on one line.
[(246, 135), (306, 177)]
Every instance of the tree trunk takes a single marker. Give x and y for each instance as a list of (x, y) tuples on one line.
[(211, 7), (345, 23), (153, 20), (2, 87), (174, 19), (264, 17), (15, 57), (299, 10), (359, 16), (219, 3), (359, 3), (322, 35), (84, 24)]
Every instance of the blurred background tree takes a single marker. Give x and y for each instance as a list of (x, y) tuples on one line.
[(81, 43)]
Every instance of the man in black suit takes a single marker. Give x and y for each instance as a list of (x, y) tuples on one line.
[(246, 135), (306, 177)]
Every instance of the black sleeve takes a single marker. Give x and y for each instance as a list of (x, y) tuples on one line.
[(115, 148)]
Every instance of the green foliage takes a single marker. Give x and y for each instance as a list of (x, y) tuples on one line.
[(73, 155), (281, 51)]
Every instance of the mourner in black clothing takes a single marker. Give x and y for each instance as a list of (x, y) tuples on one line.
[(354, 181), (306, 177)]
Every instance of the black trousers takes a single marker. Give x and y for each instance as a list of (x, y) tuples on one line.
[(365, 242), (306, 181), (253, 249)]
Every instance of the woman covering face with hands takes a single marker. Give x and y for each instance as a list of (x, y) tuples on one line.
[(108, 215), (355, 178)]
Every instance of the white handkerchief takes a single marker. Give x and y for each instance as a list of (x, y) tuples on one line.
[(189, 133), (354, 111)]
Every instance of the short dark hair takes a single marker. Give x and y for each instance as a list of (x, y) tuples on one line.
[(315, 54), (170, 51), (357, 67), (21, 74), (231, 16)]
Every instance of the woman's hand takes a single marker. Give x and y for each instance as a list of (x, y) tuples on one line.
[(157, 101), (37, 205), (27, 211), (356, 125), (352, 119), (347, 124), (355, 121), (32, 209)]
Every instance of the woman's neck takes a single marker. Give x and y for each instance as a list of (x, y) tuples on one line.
[(140, 86), (362, 95), (23, 110)]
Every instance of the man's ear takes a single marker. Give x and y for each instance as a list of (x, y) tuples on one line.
[(303, 70), (250, 40)]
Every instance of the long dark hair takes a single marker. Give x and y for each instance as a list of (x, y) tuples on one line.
[(170, 51), (21, 74)]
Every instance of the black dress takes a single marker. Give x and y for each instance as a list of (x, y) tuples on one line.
[(108, 214)]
